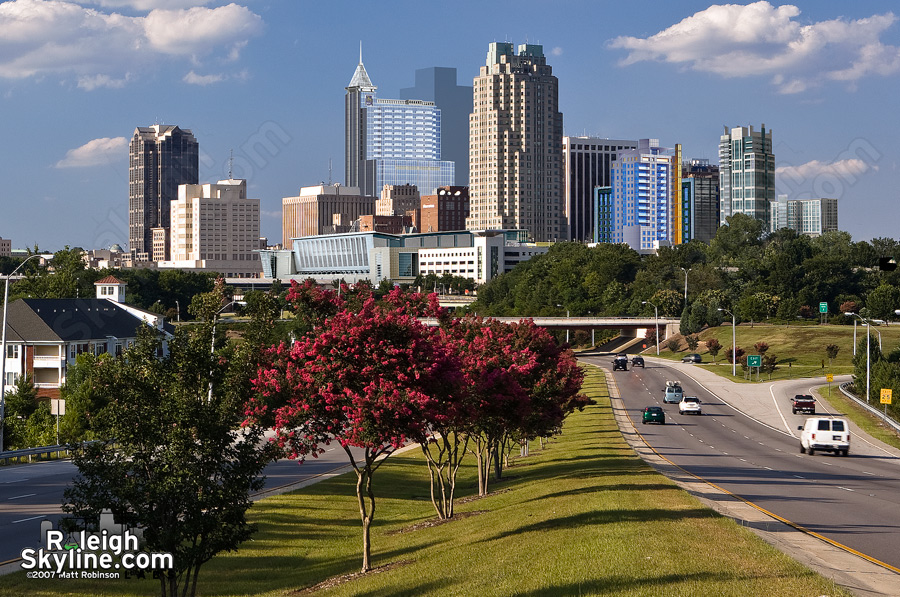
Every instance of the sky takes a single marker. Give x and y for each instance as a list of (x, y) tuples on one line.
[(77, 77)]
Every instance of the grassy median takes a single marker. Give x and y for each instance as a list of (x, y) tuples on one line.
[(582, 516)]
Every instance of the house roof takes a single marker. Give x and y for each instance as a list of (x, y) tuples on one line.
[(109, 280), (68, 320)]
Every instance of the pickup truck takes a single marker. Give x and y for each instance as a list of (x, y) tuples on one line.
[(803, 403)]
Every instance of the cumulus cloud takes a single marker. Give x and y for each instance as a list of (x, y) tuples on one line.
[(195, 79), (100, 49), (845, 169), (557, 51), (95, 153), (761, 40), (147, 5)]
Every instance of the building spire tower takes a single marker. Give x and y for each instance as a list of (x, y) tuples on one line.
[(354, 126)]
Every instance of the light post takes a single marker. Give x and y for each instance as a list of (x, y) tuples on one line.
[(685, 284), (733, 342), (656, 323), (868, 351), (212, 349), (178, 310), (3, 345)]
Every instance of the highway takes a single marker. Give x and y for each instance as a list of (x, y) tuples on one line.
[(32, 493), (853, 500)]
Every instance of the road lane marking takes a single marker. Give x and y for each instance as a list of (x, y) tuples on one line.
[(799, 477), (844, 488), (768, 469), (18, 497), (27, 519), (778, 410), (868, 473), (15, 481)]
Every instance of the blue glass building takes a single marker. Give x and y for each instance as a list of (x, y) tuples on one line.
[(391, 141)]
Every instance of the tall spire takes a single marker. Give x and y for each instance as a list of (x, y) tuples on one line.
[(361, 78)]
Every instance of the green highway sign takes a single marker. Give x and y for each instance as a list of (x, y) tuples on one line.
[(823, 307), (754, 360)]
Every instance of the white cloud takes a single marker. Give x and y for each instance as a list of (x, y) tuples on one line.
[(759, 39), (147, 5), (195, 79), (844, 169), (557, 51), (100, 49), (95, 153)]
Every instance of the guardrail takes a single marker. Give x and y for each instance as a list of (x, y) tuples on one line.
[(843, 387), (29, 453)]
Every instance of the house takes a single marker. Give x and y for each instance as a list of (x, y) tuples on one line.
[(44, 336)]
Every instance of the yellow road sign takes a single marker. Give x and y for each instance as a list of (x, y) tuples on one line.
[(885, 395), (829, 377)]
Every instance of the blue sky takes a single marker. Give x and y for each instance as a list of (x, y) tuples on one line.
[(76, 78)]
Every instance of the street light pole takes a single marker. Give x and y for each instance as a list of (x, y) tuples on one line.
[(178, 309), (212, 349), (656, 323), (3, 345), (733, 343), (685, 284), (868, 351)]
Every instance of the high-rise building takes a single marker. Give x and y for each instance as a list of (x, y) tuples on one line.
[(587, 163), (812, 217), (5, 247), (746, 173), (515, 145), (646, 190), (317, 210), (215, 227), (438, 85), (161, 157), (390, 141), (700, 200)]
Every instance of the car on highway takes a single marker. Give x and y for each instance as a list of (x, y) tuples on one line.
[(689, 405), (830, 434), (637, 361), (692, 358), (653, 414), (620, 362), (672, 392)]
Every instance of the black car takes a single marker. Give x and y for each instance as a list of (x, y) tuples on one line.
[(620, 362), (692, 358), (637, 361)]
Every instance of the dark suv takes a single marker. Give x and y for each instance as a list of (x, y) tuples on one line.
[(637, 361), (620, 362)]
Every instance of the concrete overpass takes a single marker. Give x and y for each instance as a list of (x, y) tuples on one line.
[(628, 326)]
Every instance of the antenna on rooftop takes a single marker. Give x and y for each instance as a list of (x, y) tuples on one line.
[(231, 165), (329, 171)]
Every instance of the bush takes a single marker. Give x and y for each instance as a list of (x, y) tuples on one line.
[(739, 351)]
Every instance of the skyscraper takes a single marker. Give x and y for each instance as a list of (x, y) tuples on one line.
[(515, 145), (812, 217), (645, 193), (747, 173), (438, 84), (701, 201), (161, 157), (587, 163), (390, 141)]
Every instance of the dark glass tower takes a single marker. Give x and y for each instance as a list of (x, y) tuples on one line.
[(161, 157)]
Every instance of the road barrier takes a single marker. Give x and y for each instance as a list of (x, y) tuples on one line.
[(846, 392)]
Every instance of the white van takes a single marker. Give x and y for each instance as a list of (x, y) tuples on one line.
[(821, 433), (672, 393)]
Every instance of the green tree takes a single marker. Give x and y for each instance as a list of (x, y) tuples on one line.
[(20, 404), (692, 342), (669, 302), (831, 351), (180, 466), (84, 400), (882, 302), (713, 346)]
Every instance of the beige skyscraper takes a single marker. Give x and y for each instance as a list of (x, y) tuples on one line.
[(515, 145)]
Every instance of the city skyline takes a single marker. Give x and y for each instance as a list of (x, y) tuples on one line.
[(253, 79)]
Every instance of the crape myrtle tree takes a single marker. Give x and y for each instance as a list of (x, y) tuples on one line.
[(174, 461), (363, 379)]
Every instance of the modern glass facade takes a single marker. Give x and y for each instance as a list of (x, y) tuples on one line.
[(643, 196), (747, 173), (811, 217), (603, 215), (390, 141), (704, 204)]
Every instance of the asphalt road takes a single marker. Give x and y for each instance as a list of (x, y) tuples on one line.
[(853, 500), (32, 493)]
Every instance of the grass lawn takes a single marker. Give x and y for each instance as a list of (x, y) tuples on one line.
[(582, 516), (864, 419), (800, 348)]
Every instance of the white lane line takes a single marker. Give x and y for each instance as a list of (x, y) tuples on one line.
[(778, 410), (743, 460), (778, 450), (844, 488), (14, 481), (799, 477), (27, 519), (768, 469), (18, 497), (868, 473), (826, 464)]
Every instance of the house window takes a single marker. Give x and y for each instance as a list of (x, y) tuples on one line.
[(11, 378), (12, 351)]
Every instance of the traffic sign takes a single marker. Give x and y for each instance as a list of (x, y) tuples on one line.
[(885, 395), (823, 307), (754, 360), (829, 377)]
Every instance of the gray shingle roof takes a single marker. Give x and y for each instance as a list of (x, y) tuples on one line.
[(68, 320)]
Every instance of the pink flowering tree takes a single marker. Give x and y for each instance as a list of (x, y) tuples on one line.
[(364, 380)]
